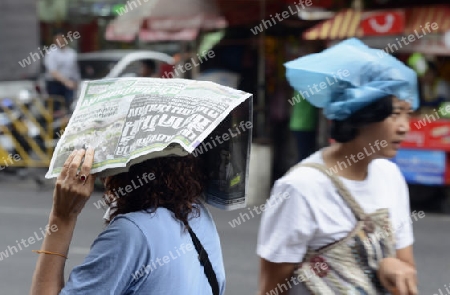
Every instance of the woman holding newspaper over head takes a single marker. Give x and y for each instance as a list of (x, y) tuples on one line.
[(156, 236), (160, 238), (345, 229), (151, 242)]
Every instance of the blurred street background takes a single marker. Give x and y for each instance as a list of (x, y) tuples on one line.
[(49, 47)]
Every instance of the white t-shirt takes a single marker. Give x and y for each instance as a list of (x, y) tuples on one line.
[(63, 61), (305, 210)]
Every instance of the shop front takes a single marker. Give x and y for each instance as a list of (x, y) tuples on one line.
[(423, 45), (420, 37)]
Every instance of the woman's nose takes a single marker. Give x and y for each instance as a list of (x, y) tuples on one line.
[(404, 125)]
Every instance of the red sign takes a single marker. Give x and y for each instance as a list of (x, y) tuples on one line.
[(417, 134), (438, 136), (428, 134), (386, 22)]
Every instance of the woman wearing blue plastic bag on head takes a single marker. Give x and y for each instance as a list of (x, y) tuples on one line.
[(339, 222)]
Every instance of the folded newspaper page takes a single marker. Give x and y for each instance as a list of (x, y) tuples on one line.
[(130, 120)]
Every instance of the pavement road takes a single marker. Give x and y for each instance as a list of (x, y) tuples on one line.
[(24, 210)]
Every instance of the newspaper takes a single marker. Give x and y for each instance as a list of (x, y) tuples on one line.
[(130, 120)]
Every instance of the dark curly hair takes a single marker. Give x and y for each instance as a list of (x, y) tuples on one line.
[(348, 129), (175, 183)]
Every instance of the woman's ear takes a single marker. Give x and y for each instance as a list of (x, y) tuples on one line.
[(344, 131)]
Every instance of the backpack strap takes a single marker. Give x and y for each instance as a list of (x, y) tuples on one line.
[(342, 190), (205, 262)]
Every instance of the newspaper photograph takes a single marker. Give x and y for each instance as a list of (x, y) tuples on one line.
[(228, 161), (130, 120)]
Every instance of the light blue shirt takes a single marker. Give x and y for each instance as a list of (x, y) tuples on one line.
[(151, 254)]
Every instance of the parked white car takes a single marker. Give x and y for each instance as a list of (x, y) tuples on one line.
[(118, 63), (113, 64)]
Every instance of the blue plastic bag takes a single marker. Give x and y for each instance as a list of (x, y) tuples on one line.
[(349, 76)]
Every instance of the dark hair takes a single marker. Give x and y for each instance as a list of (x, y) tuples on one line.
[(176, 184), (150, 64), (348, 129), (57, 32)]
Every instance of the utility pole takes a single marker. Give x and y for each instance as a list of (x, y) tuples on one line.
[(261, 106)]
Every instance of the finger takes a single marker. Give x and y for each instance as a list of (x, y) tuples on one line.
[(412, 287), (400, 284), (73, 167), (57, 192), (90, 182), (66, 165), (387, 283), (87, 163), (59, 201), (86, 193)]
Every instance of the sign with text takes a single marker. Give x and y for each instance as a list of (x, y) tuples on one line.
[(383, 22), (422, 167)]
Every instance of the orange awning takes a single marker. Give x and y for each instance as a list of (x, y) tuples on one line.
[(346, 24), (343, 25), (419, 16)]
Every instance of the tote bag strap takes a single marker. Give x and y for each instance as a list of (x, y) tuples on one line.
[(205, 262), (342, 190)]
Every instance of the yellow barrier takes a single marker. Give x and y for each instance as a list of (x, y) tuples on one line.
[(34, 151)]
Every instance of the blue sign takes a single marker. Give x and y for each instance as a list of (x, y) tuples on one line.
[(422, 167)]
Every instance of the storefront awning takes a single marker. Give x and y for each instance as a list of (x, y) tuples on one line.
[(344, 25), (162, 20), (353, 23), (420, 16), (421, 33)]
